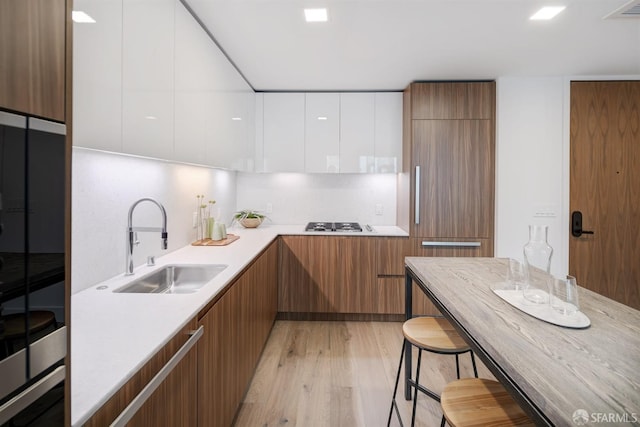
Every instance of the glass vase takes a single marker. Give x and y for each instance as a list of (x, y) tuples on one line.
[(537, 260)]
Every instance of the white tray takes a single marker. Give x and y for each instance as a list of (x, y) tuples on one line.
[(544, 312)]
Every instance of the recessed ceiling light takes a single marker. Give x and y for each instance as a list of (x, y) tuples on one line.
[(547, 12), (236, 119), (322, 118), (81, 17), (315, 15)]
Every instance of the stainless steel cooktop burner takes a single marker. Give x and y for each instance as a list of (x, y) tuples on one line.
[(341, 227)]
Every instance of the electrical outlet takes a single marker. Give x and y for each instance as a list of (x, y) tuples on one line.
[(269, 208), (194, 223), (379, 209)]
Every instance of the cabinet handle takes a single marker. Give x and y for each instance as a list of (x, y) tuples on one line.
[(452, 244), (30, 395), (128, 413), (417, 198)]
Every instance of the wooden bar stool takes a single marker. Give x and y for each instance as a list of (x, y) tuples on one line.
[(476, 402), (436, 335)]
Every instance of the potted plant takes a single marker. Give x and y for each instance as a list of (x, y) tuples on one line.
[(249, 218)]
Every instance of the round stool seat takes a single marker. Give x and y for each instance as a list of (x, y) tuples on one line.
[(38, 320), (475, 402), (434, 334)]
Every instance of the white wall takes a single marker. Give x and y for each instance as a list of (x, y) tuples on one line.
[(298, 198), (531, 165), (105, 185)]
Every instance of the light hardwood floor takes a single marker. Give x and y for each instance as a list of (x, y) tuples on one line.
[(340, 374)]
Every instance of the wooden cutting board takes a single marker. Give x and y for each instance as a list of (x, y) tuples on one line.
[(208, 242)]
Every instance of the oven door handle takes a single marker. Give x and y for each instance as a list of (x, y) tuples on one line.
[(14, 406)]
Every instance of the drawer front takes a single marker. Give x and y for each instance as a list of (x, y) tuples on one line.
[(390, 253)]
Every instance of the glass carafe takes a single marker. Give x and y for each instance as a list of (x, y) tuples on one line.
[(537, 260)]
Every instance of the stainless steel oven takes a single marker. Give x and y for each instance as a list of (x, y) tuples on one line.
[(33, 337)]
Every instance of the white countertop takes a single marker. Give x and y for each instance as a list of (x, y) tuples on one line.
[(114, 334)]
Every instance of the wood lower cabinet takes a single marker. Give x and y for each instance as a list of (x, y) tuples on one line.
[(174, 401), (308, 270), (390, 254), (32, 57), (236, 326), (327, 274), (356, 275), (208, 384)]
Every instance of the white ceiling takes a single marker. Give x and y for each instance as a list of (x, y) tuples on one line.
[(385, 44)]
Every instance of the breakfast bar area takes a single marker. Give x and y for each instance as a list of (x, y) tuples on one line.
[(558, 375)]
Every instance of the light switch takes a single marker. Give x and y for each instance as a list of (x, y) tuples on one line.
[(544, 211)]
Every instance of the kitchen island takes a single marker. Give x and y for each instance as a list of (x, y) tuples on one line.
[(115, 334), (560, 376)]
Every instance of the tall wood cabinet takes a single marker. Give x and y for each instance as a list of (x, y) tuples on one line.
[(32, 57), (449, 162)]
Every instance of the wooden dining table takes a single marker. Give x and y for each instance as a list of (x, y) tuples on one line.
[(560, 376)]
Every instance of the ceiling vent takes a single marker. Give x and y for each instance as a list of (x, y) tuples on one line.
[(629, 10)]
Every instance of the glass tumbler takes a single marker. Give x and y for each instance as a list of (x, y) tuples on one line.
[(563, 295), (516, 275)]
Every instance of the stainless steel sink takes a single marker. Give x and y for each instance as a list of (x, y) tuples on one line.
[(174, 279)]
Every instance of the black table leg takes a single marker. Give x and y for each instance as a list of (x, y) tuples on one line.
[(408, 304)]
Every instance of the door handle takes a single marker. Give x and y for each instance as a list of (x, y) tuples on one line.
[(576, 225), (417, 197)]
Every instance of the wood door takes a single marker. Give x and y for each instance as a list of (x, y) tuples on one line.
[(605, 187), (327, 274), (456, 178), (356, 288), (309, 272)]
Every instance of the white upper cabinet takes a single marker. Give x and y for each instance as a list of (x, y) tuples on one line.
[(194, 89), (147, 77), (97, 72), (283, 127), (148, 80), (322, 132), (388, 133), (346, 132), (357, 126)]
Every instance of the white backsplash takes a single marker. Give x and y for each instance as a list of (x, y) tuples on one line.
[(105, 185), (298, 198)]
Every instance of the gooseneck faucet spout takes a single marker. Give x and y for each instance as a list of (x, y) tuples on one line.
[(131, 232)]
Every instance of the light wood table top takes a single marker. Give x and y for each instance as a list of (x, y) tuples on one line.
[(552, 371)]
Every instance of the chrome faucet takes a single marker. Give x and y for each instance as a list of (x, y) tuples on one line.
[(132, 232)]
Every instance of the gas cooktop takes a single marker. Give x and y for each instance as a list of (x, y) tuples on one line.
[(341, 227)]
